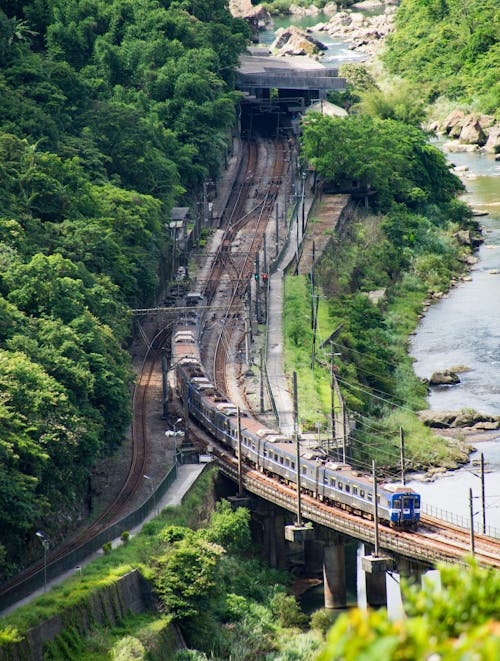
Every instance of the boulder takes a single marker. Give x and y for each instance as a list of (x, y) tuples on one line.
[(444, 378), (492, 144), (455, 117), (466, 418), (472, 133), (330, 8), (455, 147), (293, 41), (439, 419)]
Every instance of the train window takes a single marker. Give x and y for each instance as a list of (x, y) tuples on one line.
[(362, 493), (397, 503), (304, 470), (378, 499), (264, 453), (347, 488), (275, 457), (340, 485), (355, 491), (325, 478), (369, 496), (332, 482), (287, 463), (281, 460), (293, 465)]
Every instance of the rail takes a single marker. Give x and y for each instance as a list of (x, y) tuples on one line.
[(362, 530), (69, 562), (459, 520)]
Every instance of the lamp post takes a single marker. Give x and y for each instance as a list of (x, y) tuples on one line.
[(45, 543)]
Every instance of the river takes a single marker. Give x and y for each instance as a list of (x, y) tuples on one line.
[(464, 329), (338, 51)]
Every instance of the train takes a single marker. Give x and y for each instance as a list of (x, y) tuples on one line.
[(265, 449)]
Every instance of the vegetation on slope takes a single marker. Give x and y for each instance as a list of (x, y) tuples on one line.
[(110, 112), (405, 245), (451, 48)]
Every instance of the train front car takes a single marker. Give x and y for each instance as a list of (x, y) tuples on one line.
[(403, 506)]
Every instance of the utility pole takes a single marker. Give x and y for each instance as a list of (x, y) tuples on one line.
[(303, 175), (247, 343), (315, 326), (277, 218), (265, 277), (257, 297), (375, 509), (402, 450), (471, 510), (261, 352), (297, 444), (164, 368), (483, 498), (240, 478)]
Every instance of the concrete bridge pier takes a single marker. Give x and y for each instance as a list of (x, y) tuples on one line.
[(334, 578), (410, 570), (274, 540), (376, 589)]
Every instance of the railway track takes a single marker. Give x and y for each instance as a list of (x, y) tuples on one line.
[(120, 504), (438, 541), (250, 211)]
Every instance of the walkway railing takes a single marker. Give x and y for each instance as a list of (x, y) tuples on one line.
[(70, 561), (459, 520)]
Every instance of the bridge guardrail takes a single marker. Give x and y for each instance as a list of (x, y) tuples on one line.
[(459, 520), (388, 541)]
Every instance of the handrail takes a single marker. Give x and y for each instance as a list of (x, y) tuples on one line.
[(57, 567)]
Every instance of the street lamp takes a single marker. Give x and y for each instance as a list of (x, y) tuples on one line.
[(45, 543), (148, 477)]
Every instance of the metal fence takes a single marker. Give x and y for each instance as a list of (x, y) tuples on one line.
[(71, 560), (459, 520)]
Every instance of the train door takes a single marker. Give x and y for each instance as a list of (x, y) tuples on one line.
[(408, 508)]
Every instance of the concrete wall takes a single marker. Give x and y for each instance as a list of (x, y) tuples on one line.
[(130, 594)]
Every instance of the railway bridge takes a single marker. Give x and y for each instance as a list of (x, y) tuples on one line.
[(278, 89), (408, 552)]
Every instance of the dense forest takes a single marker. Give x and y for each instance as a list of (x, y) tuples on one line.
[(110, 112), (451, 48)]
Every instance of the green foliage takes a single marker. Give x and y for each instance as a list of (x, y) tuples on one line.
[(381, 156), (230, 529), (322, 619), (450, 47), (105, 108), (460, 621), (187, 576), (402, 102), (287, 610)]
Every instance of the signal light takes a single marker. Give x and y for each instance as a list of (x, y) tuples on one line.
[(264, 277), (256, 276)]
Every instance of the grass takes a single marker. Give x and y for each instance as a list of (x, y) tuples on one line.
[(105, 570), (400, 315)]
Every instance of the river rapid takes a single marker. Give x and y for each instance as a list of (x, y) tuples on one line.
[(464, 329)]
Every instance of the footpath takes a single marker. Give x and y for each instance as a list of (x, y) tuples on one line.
[(302, 251), (186, 476)]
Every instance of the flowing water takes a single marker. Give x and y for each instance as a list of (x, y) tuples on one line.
[(337, 51), (464, 329)]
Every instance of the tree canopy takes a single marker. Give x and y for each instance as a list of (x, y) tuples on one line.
[(111, 111), (451, 46)]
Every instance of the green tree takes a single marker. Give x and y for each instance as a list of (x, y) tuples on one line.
[(460, 621)]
